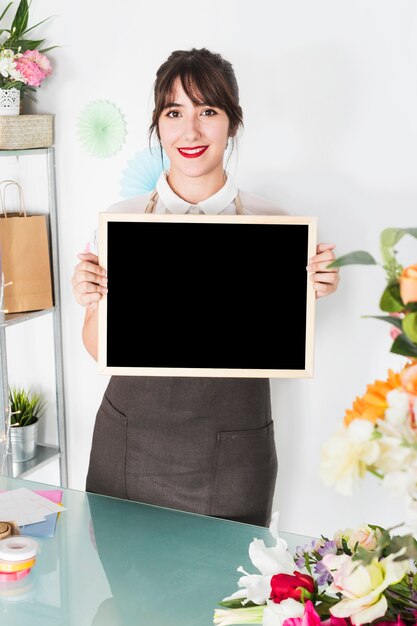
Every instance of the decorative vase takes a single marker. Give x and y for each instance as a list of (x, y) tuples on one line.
[(23, 440), (9, 101)]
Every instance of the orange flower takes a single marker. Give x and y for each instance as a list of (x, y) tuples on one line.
[(373, 404), (408, 284), (409, 378)]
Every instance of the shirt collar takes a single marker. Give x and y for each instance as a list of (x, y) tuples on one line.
[(213, 205)]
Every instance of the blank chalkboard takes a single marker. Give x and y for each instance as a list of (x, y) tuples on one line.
[(198, 295)]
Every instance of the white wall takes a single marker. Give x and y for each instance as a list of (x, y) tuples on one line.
[(329, 93)]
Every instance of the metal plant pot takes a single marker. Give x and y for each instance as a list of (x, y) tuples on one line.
[(23, 440)]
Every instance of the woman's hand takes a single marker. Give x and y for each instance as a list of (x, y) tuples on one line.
[(325, 279), (89, 282)]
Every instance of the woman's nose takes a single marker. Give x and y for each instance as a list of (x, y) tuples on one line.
[(191, 129)]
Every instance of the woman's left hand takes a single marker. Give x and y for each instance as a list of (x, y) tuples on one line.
[(325, 279)]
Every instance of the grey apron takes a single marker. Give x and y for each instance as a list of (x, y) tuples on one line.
[(204, 445)]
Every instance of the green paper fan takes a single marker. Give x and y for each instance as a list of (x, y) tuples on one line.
[(101, 128)]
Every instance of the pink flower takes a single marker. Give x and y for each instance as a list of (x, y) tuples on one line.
[(312, 618), (34, 67)]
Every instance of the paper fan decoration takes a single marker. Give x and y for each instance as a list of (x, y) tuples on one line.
[(101, 128), (142, 172)]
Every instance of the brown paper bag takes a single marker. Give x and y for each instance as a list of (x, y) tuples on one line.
[(24, 257)]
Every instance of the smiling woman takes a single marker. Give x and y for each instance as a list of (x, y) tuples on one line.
[(204, 445), (196, 112)]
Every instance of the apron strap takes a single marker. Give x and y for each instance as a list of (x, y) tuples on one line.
[(239, 206), (152, 202), (154, 199)]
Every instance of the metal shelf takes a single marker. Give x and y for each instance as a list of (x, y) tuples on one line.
[(45, 452), (44, 455), (16, 318), (22, 152)]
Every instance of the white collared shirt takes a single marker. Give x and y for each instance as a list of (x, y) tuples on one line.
[(222, 202)]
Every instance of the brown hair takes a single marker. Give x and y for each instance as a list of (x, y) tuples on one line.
[(205, 77)]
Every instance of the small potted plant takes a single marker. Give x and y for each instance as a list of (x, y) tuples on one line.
[(23, 66), (26, 408)]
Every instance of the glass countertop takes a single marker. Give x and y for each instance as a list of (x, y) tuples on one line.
[(117, 563)]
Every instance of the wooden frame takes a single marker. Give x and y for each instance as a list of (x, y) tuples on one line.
[(160, 267)]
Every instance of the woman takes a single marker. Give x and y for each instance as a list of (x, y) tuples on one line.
[(204, 445)]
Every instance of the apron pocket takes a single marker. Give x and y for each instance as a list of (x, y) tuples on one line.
[(244, 475), (107, 469)]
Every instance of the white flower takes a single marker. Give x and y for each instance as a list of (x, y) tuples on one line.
[(363, 586), (346, 456), (398, 407), (276, 614), (269, 561), (8, 66)]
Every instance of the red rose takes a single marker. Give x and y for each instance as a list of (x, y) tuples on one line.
[(285, 586)]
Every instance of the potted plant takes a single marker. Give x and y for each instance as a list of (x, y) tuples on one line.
[(23, 67), (26, 407)]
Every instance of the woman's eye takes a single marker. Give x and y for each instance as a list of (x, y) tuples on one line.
[(210, 112), (175, 112)]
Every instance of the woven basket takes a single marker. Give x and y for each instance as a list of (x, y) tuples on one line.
[(21, 132)]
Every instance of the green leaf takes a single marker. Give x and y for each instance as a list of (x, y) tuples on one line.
[(21, 18), (236, 603), (5, 10), (402, 345), (47, 49), (398, 543), (27, 44), (359, 257), (410, 326), (395, 321), (391, 236), (38, 24), (391, 300)]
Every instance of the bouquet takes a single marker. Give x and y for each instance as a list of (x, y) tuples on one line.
[(399, 298), (22, 65), (361, 576), (379, 433)]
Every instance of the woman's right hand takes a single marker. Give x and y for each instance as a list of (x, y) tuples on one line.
[(89, 282)]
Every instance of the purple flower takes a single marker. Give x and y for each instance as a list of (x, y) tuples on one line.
[(323, 574), (328, 548)]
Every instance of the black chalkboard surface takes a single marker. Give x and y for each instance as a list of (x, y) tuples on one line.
[(197, 295)]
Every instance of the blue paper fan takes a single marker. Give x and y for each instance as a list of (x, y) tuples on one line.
[(142, 172)]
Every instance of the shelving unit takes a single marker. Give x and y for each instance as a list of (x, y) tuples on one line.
[(46, 453)]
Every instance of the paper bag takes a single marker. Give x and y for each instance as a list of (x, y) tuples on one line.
[(24, 258)]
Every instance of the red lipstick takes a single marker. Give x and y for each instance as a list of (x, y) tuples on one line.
[(192, 153)]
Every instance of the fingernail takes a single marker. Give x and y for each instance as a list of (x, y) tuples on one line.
[(87, 248)]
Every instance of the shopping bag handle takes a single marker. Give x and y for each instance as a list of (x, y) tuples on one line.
[(3, 186)]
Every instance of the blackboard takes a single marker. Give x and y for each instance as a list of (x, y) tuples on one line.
[(198, 295)]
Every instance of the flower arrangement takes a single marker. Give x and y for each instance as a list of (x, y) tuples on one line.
[(399, 298), (379, 432), (361, 576), (22, 65)]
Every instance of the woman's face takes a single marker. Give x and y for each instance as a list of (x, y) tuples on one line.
[(193, 136)]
